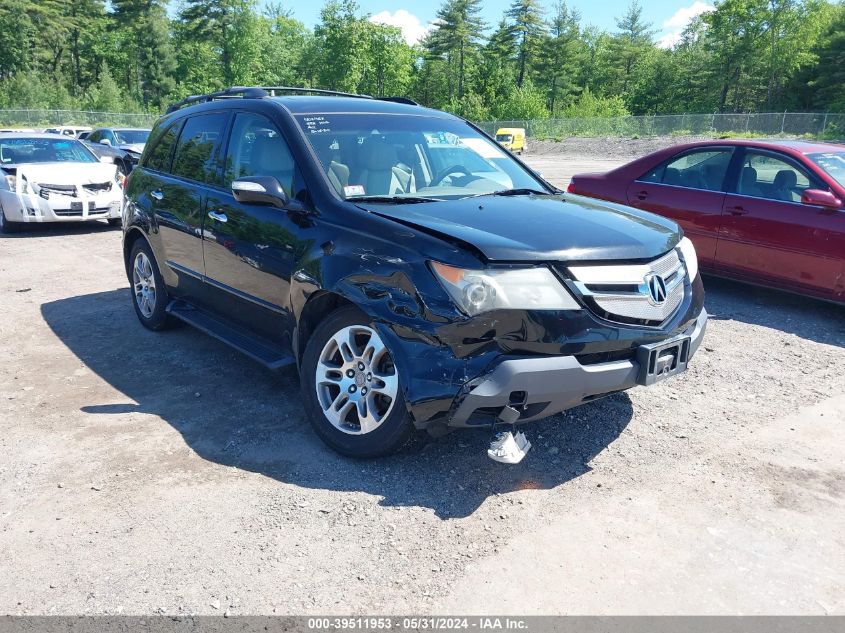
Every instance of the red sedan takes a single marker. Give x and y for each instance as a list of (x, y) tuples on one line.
[(767, 212)]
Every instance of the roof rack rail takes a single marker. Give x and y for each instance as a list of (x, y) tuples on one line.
[(260, 92), (272, 90), (247, 92), (404, 100)]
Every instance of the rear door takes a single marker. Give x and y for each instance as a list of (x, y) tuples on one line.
[(251, 250), (690, 189), (180, 195), (769, 236)]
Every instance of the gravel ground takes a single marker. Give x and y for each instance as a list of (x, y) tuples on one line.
[(153, 473), (610, 147)]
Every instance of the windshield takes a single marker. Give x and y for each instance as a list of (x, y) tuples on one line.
[(504, 137), (831, 162), (43, 150), (131, 137), (413, 156)]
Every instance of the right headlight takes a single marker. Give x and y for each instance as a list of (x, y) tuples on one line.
[(477, 291), (690, 258)]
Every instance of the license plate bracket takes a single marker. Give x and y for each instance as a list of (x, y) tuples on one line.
[(659, 361)]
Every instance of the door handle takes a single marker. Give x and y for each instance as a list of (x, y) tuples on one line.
[(157, 194), (220, 217), (641, 195), (736, 210)]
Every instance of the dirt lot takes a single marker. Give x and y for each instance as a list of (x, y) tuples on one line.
[(163, 473)]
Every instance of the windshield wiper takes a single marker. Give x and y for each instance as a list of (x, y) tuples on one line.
[(393, 199), (519, 191)]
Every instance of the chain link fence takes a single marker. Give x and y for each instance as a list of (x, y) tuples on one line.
[(39, 119), (816, 125)]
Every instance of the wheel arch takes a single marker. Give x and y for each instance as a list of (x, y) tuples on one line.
[(317, 308), (132, 235)]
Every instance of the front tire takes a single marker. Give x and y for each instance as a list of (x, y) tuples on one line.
[(149, 295), (352, 389), (7, 227)]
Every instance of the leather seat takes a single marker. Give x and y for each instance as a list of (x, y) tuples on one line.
[(379, 170), (270, 156)]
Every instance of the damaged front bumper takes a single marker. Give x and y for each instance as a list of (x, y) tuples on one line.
[(32, 207), (540, 387)]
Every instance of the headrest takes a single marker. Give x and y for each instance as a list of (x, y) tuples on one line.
[(749, 176), (672, 176), (270, 154), (377, 154), (785, 179)]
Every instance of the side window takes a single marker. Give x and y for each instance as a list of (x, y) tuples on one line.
[(766, 176), (94, 137), (109, 135), (162, 140), (703, 169), (196, 149), (256, 148)]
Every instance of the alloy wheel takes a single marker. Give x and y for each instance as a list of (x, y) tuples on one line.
[(143, 281), (357, 383)]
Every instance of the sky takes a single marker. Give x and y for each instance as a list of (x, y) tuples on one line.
[(668, 17)]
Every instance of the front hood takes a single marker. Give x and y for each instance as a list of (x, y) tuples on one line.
[(541, 228), (135, 148), (66, 173)]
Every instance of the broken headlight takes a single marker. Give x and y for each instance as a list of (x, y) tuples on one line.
[(477, 291)]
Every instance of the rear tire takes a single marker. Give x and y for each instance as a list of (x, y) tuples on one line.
[(149, 295), (351, 388)]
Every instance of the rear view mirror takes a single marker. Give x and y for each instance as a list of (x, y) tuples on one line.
[(820, 198), (260, 190), (105, 141)]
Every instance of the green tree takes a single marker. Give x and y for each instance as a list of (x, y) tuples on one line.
[(456, 40), (342, 37), (564, 55), (230, 27), (632, 40), (529, 30)]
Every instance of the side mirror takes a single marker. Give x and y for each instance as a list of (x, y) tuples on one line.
[(105, 141), (264, 190), (820, 198)]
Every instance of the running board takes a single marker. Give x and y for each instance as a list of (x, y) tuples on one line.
[(266, 352)]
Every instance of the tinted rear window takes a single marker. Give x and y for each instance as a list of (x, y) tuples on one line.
[(196, 150), (162, 141)]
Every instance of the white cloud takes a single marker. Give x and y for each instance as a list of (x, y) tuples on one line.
[(412, 29), (679, 21)]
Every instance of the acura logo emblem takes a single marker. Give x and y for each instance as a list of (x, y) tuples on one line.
[(656, 287)]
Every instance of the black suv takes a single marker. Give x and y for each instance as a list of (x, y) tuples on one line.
[(416, 273)]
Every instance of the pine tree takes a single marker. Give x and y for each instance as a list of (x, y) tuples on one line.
[(529, 29), (456, 38), (563, 54)]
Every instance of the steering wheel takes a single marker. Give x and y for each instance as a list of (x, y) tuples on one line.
[(454, 169)]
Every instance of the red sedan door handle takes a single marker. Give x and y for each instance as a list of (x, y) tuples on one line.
[(641, 195), (736, 210)]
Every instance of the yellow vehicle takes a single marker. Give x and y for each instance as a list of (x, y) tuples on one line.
[(512, 138)]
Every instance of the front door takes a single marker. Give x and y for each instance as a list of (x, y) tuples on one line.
[(769, 236), (688, 188), (251, 250)]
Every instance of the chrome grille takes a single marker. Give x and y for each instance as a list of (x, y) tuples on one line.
[(621, 292)]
